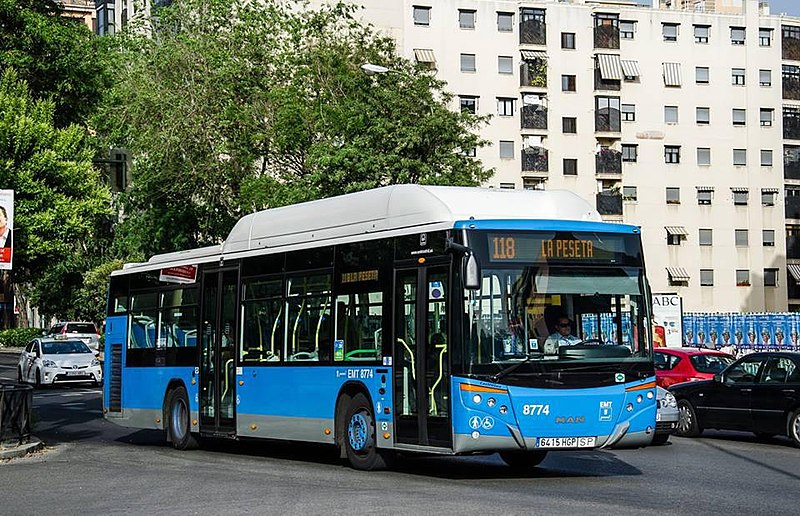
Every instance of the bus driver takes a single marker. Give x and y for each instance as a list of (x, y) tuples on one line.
[(561, 337)]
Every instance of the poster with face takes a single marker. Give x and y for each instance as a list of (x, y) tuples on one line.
[(751, 337), (701, 330), (589, 327), (739, 330), (794, 345), (688, 329), (715, 324)]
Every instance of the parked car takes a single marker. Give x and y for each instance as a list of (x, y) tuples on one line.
[(677, 365), (759, 393), (666, 416), (48, 361), (85, 331)]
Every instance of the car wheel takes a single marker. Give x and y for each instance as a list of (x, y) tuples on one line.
[(688, 426), (359, 436), (178, 424), (660, 439), (794, 427), (523, 459)]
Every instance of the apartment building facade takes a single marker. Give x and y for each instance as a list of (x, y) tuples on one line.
[(686, 123)]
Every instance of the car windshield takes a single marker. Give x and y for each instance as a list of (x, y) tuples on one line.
[(64, 347), (546, 313), (707, 363), (81, 328)]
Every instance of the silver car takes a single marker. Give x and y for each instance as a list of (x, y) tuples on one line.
[(666, 416), (48, 361), (85, 331)]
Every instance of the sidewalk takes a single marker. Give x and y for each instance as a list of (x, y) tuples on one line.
[(20, 450)]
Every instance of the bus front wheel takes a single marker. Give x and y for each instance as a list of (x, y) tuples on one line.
[(178, 424), (523, 459), (359, 436)]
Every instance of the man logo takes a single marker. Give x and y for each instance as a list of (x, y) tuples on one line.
[(561, 420)]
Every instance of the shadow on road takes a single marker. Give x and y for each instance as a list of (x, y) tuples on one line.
[(709, 442)]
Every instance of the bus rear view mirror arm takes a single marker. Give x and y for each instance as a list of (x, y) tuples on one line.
[(471, 269)]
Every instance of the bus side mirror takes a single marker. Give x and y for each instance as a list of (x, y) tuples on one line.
[(472, 272)]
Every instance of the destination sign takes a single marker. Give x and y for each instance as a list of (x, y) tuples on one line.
[(561, 247)]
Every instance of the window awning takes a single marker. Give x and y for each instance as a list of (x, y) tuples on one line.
[(424, 55), (739, 189), (770, 190), (630, 68), (794, 270), (705, 188), (672, 74), (610, 67), (676, 230), (531, 55), (677, 274)]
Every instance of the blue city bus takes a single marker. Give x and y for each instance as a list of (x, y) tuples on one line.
[(406, 318)]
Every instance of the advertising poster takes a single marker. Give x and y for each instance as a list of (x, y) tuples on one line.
[(6, 227), (793, 333), (751, 335), (714, 330), (778, 332), (668, 320), (688, 329), (727, 343), (701, 330), (738, 330), (589, 326)]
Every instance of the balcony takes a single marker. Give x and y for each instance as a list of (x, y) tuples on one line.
[(533, 73), (608, 161), (791, 167), (792, 206), (791, 125), (607, 120), (791, 88), (609, 203), (534, 117), (793, 246), (792, 287), (606, 36), (791, 48), (605, 84), (535, 159), (532, 32)]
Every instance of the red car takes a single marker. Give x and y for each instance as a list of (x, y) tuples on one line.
[(678, 365)]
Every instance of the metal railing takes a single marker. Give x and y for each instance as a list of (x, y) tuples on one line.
[(16, 403)]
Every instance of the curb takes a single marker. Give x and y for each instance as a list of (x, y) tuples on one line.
[(21, 450)]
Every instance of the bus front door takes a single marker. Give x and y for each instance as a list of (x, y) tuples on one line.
[(422, 373), (217, 361)]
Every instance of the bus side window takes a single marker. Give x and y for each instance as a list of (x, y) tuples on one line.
[(359, 327)]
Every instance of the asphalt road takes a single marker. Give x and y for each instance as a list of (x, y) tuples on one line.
[(91, 466)]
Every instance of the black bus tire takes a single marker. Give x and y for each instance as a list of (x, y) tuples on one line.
[(178, 422), (523, 459), (359, 436)]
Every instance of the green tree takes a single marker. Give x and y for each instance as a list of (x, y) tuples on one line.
[(230, 107), (62, 215), (59, 58)]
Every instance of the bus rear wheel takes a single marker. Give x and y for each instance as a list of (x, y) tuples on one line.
[(178, 424), (523, 459), (359, 436)]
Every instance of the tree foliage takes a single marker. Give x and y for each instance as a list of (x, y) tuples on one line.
[(229, 107), (62, 205)]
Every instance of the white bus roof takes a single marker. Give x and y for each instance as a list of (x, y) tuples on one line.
[(391, 210)]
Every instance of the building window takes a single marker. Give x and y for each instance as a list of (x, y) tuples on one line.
[(767, 198), (567, 83), (737, 76), (701, 33), (505, 106), (422, 15), (673, 195), (568, 40), (506, 149), (629, 152), (766, 157), (768, 237), (670, 31), (629, 193), (740, 197), (505, 65), (740, 157), (740, 237), (703, 115), (674, 239), (701, 74), (737, 35), (670, 114), (704, 156), (468, 62), (704, 197), (570, 167), (705, 237), (466, 18), (742, 278), (628, 112), (569, 125), (765, 37), (533, 183), (706, 277), (765, 77), (672, 153), (739, 116), (507, 186), (468, 103), (505, 22), (770, 275), (766, 115)]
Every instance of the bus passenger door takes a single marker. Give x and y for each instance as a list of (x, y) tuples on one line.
[(421, 343), (217, 348)]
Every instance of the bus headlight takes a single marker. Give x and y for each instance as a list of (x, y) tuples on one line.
[(477, 399)]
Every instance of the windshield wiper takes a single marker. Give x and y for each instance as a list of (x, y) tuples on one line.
[(510, 369)]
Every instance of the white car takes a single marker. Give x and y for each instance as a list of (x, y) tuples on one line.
[(85, 331), (48, 361), (666, 416)]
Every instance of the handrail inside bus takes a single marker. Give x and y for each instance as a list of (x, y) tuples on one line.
[(227, 379), (296, 324), (434, 411), (319, 325), (411, 356), (275, 330)]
